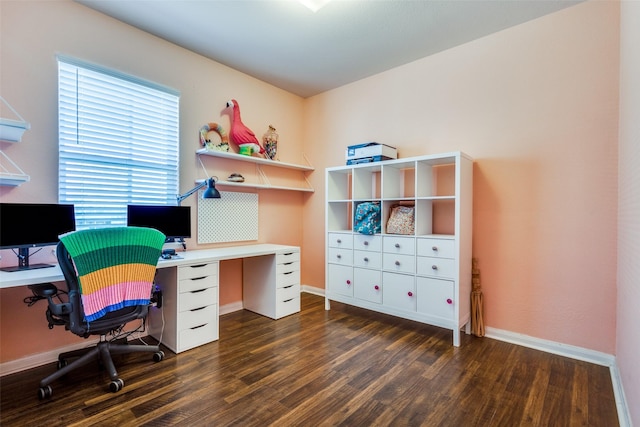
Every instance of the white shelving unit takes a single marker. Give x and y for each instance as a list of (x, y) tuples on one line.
[(425, 276), (260, 162)]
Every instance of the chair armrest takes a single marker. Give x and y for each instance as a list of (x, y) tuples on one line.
[(48, 291), (44, 290)]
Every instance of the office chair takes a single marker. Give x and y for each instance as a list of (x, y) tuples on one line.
[(109, 275)]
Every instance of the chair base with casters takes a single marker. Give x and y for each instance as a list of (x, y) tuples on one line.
[(101, 352)]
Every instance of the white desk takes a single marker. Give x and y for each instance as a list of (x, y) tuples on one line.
[(190, 283)]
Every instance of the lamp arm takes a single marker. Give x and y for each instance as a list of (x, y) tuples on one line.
[(180, 198)]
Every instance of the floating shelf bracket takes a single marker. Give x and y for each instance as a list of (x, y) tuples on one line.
[(12, 130), (12, 176)]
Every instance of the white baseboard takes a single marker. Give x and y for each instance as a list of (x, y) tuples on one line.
[(560, 349), (40, 359), (573, 352), (35, 360), (624, 416), (230, 308), (312, 290)]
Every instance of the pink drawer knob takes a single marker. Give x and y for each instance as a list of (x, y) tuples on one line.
[(376, 287), (410, 293), (348, 282), (449, 301)]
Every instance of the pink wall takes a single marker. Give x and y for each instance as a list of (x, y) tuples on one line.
[(628, 338), (32, 33), (537, 107)]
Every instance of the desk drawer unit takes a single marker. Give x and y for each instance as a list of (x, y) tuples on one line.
[(271, 285), (190, 306)]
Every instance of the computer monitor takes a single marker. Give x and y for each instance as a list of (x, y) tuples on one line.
[(173, 221), (29, 225)]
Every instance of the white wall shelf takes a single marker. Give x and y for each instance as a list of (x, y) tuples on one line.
[(251, 159), (259, 162), (259, 186)]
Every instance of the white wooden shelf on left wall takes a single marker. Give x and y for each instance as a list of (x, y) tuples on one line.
[(11, 131)]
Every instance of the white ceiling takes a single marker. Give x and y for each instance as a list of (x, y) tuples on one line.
[(284, 43)]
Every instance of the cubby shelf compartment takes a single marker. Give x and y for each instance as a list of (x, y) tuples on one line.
[(259, 162)]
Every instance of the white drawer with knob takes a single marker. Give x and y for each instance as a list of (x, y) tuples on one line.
[(436, 267), (441, 248), (399, 263), (367, 242), (340, 240), (340, 256), (367, 259), (399, 245)]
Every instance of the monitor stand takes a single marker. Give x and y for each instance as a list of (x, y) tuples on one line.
[(23, 262), (24, 268)]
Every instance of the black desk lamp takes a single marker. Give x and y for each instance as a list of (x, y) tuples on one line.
[(210, 193)]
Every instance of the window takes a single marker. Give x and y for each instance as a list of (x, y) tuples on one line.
[(118, 143)]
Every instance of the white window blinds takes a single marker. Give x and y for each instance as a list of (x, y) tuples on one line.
[(118, 143)]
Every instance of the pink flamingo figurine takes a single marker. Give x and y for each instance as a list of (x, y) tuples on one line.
[(242, 135)]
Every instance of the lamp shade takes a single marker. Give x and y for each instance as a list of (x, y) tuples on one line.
[(211, 192)]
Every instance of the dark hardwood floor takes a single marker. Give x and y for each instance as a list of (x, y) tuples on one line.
[(347, 367)]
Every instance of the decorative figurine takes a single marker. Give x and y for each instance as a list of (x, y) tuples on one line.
[(206, 142), (270, 141), (242, 135)]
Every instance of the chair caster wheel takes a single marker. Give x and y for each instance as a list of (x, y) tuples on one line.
[(116, 385), (62, 363), (45, 392), (158, 356)]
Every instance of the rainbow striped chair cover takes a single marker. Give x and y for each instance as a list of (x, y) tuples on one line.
[(115, 267)]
